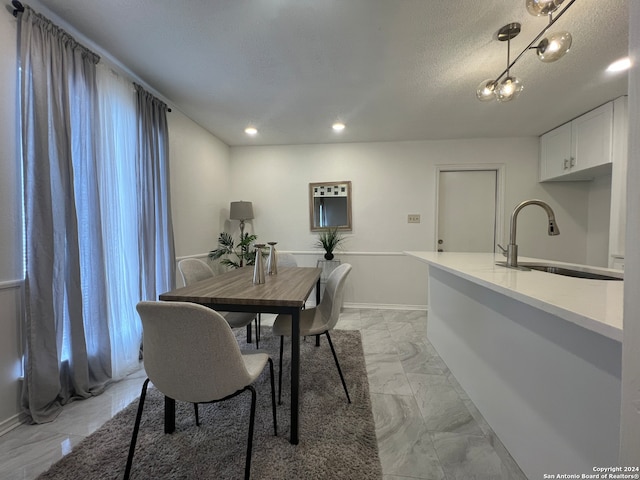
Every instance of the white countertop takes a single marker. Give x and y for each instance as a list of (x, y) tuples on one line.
[(593, 304)]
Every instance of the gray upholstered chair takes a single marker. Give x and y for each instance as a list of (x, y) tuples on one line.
[(191, 355), (193, 270), (317, 320)]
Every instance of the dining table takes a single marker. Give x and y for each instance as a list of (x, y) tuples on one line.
[(234, 291)]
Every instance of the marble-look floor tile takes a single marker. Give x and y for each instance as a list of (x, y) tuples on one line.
[(409, 316), (29, 450), (440, 405), (386, 375), (372, 319), (418, 357), (468, 457), (404, 444), (378, 341), (402, 332)]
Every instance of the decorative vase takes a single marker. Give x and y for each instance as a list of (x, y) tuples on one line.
[(328, 256), (258, 268), (272, 260)]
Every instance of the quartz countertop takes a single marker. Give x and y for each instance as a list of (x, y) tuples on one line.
[(596, 305)]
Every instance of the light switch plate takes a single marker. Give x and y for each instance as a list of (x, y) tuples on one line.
[(413, 218)]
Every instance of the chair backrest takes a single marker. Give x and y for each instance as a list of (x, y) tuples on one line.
[(194, 270), (333, 297), (286, 260), (190, 353)]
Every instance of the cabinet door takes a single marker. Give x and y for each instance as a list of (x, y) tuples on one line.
[(555, 152), (592, 138)]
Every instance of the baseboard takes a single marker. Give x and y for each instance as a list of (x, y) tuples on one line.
[(383, 306), (12, 422)]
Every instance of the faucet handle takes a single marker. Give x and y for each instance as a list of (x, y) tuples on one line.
[(504, 250)]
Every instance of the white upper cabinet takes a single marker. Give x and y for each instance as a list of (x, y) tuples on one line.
[(580, 149)]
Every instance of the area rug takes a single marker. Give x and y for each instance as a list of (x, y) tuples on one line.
[(337, 439)]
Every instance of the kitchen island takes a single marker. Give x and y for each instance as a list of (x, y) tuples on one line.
[(539, 354)]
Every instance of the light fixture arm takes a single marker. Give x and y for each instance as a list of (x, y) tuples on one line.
[(534, 41)]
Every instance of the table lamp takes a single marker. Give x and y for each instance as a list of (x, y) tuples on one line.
[(241, 211)]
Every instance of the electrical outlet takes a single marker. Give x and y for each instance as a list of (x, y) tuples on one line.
[(413, 218)]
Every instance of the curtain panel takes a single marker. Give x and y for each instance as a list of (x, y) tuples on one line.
[(92, 147), (157, 250)]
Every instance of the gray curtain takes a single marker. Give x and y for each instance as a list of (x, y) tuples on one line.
[(67, 341), (157, 251), (69, 327)]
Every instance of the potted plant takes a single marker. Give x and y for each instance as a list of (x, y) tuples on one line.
[(236, 256), (329, 240)]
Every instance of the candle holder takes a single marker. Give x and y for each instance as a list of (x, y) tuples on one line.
[(272, 260), (258, 269)]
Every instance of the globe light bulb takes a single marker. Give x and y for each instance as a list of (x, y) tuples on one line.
[(538, 8), (486, 90), (509, 89), (553, 47)]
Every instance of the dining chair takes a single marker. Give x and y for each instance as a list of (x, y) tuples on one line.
[(191, 355), (193, 270), (286, 260), (317, 320)]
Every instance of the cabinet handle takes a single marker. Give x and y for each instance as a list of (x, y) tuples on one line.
[(572, 163), (566, 163)]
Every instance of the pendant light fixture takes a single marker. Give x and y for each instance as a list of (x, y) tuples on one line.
[(549, 48)]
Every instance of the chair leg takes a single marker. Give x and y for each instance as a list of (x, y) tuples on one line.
[(257, 332), (195, 407), (259, 326), (335, 357), (273, 399), (247, 465), (280, 374), (249, 333), (136, 427)]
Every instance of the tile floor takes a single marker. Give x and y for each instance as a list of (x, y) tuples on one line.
[(426, 425)]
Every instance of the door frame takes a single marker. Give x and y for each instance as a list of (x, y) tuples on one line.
[(499, 168)]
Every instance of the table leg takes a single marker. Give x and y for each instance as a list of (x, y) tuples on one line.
[(318, 292), (169, 415), (295, 375)]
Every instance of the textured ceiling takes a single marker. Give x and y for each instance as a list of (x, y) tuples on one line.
[(390, 69)]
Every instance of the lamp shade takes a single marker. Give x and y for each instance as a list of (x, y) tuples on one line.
[(241, 211), (554, 46), (509, 89), (540, 8), (487, 90)]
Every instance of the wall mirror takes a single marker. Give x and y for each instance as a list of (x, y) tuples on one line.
[(330, 205)]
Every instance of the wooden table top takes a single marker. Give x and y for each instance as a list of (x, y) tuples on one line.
[(289, 288)]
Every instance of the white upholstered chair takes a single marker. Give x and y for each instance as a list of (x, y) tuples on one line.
[(193, 270), (191, 355), (317, 320), (286, 260)]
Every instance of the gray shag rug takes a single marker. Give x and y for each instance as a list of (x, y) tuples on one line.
[(337, 439)]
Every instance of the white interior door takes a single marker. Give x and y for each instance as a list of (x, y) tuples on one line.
[(467, 202)]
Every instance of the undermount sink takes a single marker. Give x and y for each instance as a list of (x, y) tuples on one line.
[(579, 272)]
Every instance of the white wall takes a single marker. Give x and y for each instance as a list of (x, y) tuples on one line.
[(599, 208), (10, 229), (391, 180), (199, 185)]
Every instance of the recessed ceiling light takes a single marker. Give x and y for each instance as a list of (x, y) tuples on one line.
[(251, 130), (620, 65), (338, 127)]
